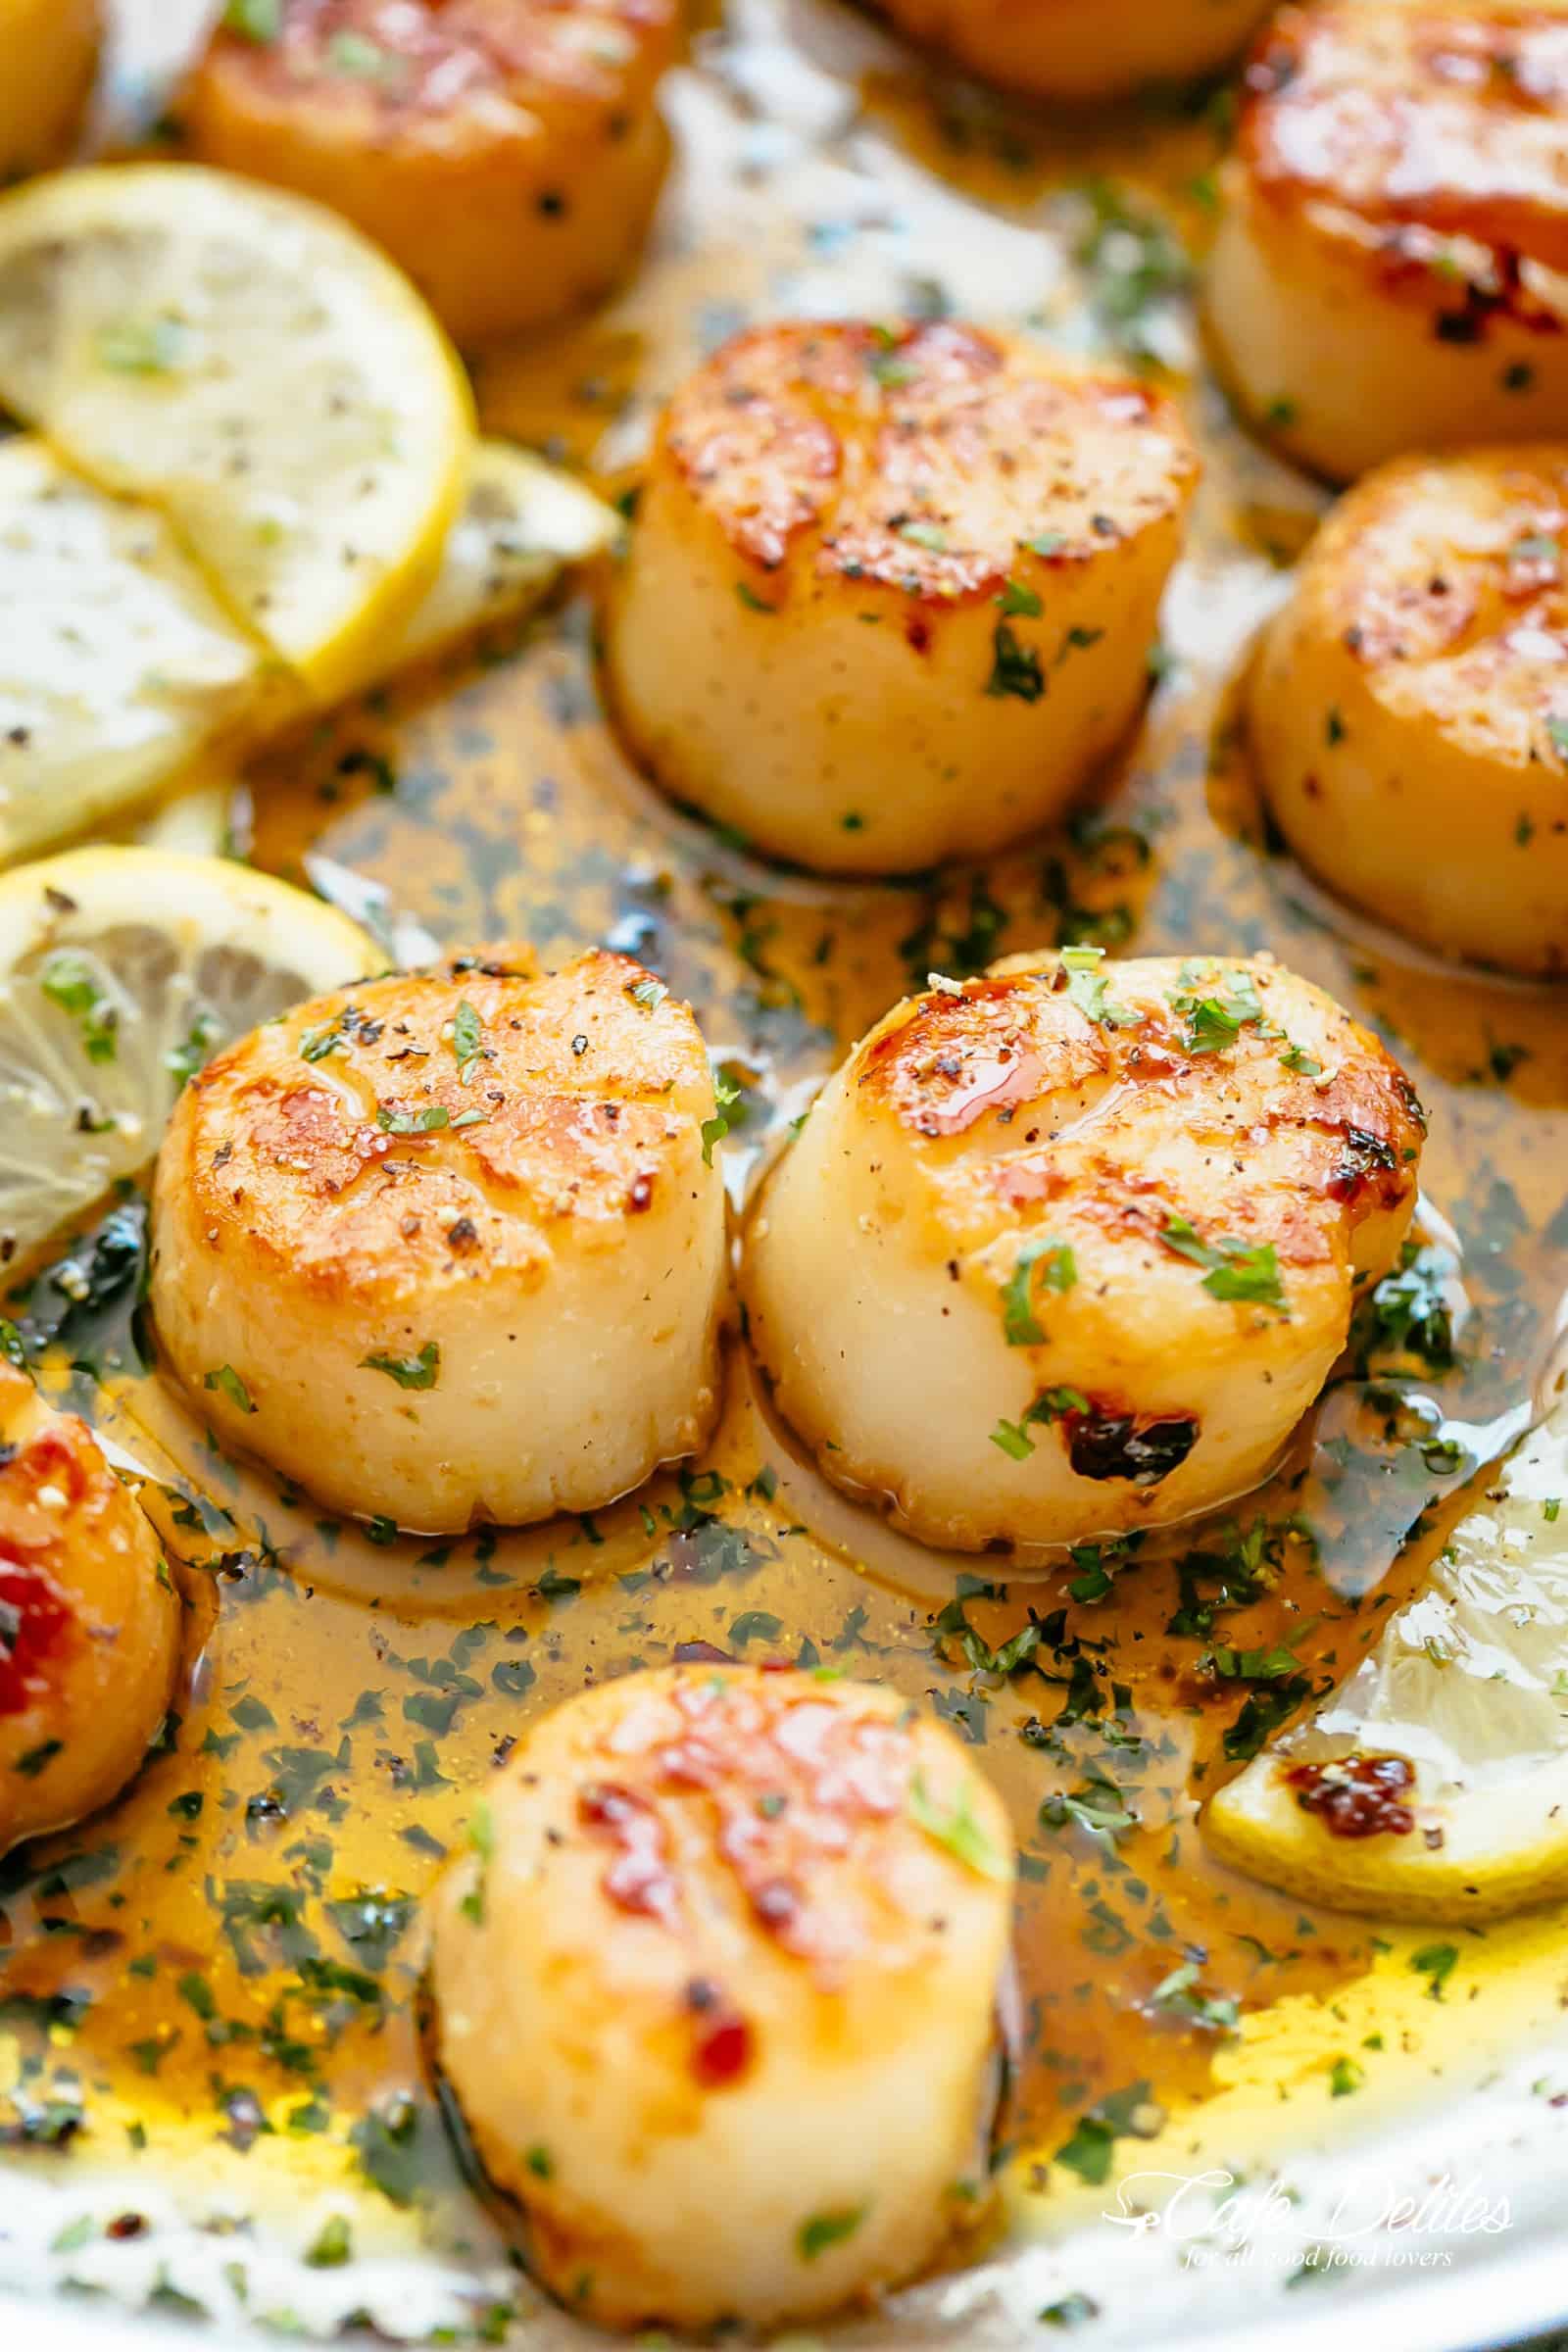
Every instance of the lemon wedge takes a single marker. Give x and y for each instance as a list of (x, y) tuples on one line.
[(120, 971), (118, 669), (1443, 1758), (247, 363)]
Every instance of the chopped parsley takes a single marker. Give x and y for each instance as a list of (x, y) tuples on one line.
[(819, 2230), (1088, 988), (1015, 668), (70, 981), (1040, 1263), (1216, 1013), (227, 1381), (333, 2246), (1017, 600), (427, 1121), (184, 1060), (649, 993), (1238, 1272), (481, 1842), (1438, 1962), (467, 1039), (957, 1829), (141, 346), (409, 1371), (726, 1094), (355, 54), (1012, 1437), (259, 20)]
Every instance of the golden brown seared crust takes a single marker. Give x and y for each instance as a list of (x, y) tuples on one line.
[(1113, 1130), (1436, 121), (933, 460), (362, 1144), (803, 1793), (495, 67), (1448, 585), (89, 1619), (55, 1487)]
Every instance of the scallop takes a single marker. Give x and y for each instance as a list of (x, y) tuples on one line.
[(891, 592), (1408, 708), (50, 49), (1067, 1251), (89, 1620), (1061, 49), (450, 1247), (1390, 269), (507, 153), (716, 1992)]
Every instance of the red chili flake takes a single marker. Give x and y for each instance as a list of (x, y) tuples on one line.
[(641, 1195), (34, 1618), (1359, 1797), (722, 2051)]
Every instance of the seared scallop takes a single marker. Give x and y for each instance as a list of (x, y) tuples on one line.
[(890, 594), (1063, 49), (49, 49), (1067, 1250), (1409, 704), (715, 1993), (1389, 269), (507, 153), (449, 1246), (89, 1620)]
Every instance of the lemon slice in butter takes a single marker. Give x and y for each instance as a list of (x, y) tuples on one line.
[(120, 672), (1433, 1783), (120, 971), (116, 663), (247, 363)]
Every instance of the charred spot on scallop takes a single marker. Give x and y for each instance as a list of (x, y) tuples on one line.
[(1103, 1221), (741, 1895), (483, 1200), (1387, 271), (1104, 1444), (891, 589)]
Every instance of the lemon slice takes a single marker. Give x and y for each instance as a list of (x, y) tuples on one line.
[(1467, 1696), (120, 971), (118, 670), (115, 661), (251, 365), (520, 524)]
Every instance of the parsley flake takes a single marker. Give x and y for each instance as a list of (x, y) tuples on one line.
[(409, 1371), (227, 1381), (1015, 668), (1057, 1272)]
